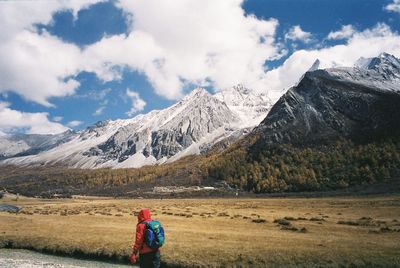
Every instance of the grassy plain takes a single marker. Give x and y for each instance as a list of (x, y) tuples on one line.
[(273, 232)]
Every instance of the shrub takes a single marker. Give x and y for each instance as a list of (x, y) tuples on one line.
[(282, 222), (289, 228), (316, 219)]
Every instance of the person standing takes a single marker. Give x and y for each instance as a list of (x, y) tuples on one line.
[(148, 257)]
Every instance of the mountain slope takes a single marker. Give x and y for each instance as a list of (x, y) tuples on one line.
[(190, 126), (337, 128), (30, 144), (10, 147), (249, 108), (163, 134), (358, 103)]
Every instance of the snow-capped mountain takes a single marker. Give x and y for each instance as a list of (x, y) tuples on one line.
[(29, 144), (10, 147), (360, 103), (385, 65), (191, 126), (250, 108)]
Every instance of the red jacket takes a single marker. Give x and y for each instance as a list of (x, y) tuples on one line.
[(140, 246)]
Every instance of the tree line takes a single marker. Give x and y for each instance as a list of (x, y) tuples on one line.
[(289, 168), (246, 166)]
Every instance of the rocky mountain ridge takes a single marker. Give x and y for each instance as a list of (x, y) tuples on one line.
[(191, 126), (360, 103)]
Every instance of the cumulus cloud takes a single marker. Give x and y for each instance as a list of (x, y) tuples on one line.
[(74, 123), (393, 7), (177, 43), (367, 43), (37, 65), (345, 32), (138, 103), (297, 34), (33, 123), (16, 16), (173, 43)]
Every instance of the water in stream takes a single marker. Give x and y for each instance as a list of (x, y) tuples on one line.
[(12, 258)]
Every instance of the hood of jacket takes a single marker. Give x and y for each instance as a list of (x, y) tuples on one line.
[(144, 215)]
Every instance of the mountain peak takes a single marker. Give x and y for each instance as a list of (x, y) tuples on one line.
[(354, 103), (384, 60), (315, 65), (194, 95), (362, 63), (385, 55), (241, 89), (197, 92)]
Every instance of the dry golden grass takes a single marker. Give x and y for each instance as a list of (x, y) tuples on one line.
[(219, 232)]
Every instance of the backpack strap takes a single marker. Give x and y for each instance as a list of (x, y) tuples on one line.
[(144, 222)]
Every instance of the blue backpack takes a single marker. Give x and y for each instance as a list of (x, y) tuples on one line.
[(154, 234)]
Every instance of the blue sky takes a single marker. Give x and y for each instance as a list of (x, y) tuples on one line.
[(69, 90)]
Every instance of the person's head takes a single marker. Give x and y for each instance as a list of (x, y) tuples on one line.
[(144, 214)]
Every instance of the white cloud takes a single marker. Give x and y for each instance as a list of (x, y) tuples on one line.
[(74, 123), (297, 34), (34, 123), (138, 104), (345, 32), (175, 43), (393, 7), (36, 65), (103, 106), (16, 16), (99, 111), (367, 43), (76, 6), (57, 118)]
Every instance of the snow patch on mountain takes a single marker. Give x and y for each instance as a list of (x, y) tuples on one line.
[(30, 144), (9, 147), (248, 107), (359, 103), (382, 72), (190, 126)]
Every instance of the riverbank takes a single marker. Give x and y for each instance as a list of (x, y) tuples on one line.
[(305, 232)]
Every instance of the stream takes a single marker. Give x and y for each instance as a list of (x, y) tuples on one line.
[(12, 258)]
